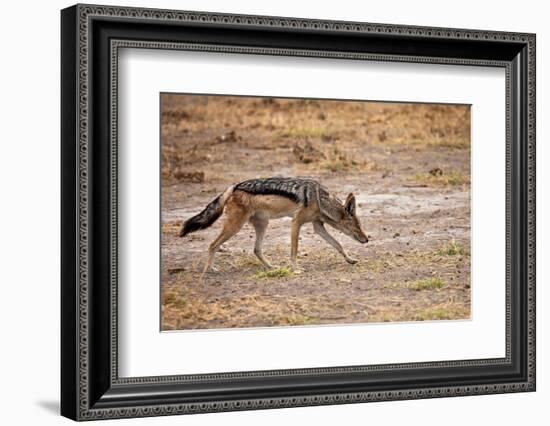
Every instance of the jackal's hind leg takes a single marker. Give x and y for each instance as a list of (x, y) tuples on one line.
[(260, 225), (319, 228), (236, 218)]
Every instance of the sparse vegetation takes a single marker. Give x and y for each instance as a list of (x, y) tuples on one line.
[(305, 133), (274, 273), (174, 300), (427, 284), (453, 249), (431, 314), (188, 305), (338, 162), (444, 179), (246, 261), (401, 160), (298, 319)]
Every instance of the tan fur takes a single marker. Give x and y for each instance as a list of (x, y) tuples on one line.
[(241, 206)]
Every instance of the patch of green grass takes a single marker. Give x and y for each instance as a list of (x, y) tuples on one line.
[(427, 284), (299, 319), (431, 314), (275, 273), (453, 249)]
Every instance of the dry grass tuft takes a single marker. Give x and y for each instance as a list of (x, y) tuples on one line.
[(306, 133), (174, 300), (444, 179), (336, 160), (431, 314), (427, 284), (299, 319), (453, 249)]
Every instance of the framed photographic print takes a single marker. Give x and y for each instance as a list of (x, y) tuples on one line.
[(263, 212)]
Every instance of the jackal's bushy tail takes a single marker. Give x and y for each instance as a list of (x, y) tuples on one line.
[(208, 216)]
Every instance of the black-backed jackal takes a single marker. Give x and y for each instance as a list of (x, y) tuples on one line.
[(259, 200)]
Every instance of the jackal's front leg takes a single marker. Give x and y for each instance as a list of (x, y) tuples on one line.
[(294, 236), (319, 228)]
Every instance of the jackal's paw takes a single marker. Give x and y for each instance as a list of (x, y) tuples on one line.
[(296, 270), (351, 260)]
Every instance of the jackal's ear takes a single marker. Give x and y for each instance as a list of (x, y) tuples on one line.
[(329, 206), (349, 206)]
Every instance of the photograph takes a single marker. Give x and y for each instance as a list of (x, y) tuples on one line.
[(280, 212), (266, 209)]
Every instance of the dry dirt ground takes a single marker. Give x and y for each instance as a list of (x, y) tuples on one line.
[(409, 166)]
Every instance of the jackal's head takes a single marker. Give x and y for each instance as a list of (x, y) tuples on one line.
[(343, 217)]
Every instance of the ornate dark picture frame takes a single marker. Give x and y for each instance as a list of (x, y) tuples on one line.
[(90, 385)]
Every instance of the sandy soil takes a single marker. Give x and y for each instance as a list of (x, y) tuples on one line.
[(408, 166)]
